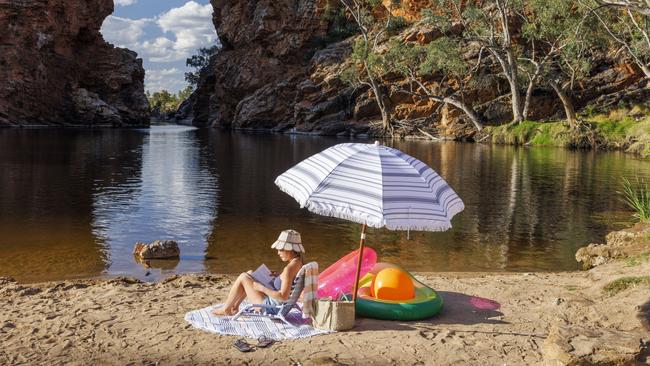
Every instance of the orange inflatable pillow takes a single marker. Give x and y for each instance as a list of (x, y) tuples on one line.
[(392, 284)]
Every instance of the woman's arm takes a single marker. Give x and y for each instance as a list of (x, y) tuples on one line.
[(287, 276)]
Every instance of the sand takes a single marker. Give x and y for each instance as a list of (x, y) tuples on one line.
[(122, 321)]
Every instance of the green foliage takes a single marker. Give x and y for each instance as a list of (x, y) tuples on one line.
[(441, 22), (164, 102), (625, 283), (531, 133), (340, 27), (440, 56), (637, 196), (199, 62), (396, 24), (615, 130), (562, 29), (629, 28)]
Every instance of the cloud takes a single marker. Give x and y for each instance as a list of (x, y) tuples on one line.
[(166, 40), (125, 2), (124, 32), (171, 79), (191, 25)]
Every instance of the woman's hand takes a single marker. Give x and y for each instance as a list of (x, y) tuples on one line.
[(258, 287)]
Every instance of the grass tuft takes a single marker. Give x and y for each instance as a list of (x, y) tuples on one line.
[(637, 197), (638, 259), (625, 283)]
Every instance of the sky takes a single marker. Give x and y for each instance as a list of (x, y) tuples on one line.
[(164, 33)]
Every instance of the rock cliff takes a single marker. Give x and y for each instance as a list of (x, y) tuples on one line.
[(279, 69), (56, 69)]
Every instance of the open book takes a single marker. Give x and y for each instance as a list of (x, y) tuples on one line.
[(264, 276)]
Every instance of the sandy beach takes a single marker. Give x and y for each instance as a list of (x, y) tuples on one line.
[(543, 317)]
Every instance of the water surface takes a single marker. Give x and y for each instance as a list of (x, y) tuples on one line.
[(74, 202)]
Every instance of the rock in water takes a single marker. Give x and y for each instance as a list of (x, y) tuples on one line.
[(159, 249)]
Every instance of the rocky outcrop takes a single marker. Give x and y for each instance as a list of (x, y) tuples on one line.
[(619, 244), (580, 345), (264, 54), (56, 69), (280, 69)]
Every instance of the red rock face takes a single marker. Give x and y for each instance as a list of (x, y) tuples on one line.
[(266, 46), (56, 69), (273, 73)]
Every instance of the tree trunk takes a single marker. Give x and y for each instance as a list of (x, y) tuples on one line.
[(379, 98), (516, 103), (469, 111), (567, 103)]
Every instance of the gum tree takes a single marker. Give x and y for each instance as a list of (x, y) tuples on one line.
[(628, 25), (441, 57), (489, 25), (559, 40), (367, 67)]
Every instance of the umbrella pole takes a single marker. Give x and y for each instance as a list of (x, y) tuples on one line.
[(356, 277)]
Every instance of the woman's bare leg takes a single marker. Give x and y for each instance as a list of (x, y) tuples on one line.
[(242, 296), (254, 296), (235, 296)]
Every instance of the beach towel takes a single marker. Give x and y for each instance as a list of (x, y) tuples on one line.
[(310, 292), (253, 327)]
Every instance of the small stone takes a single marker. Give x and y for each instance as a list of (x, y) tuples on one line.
[(558, 301), (643, 314)]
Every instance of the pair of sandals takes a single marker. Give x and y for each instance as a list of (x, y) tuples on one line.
[(262, 342)]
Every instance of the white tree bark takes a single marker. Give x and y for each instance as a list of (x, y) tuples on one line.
[(642, 6)]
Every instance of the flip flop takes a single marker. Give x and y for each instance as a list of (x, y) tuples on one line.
[(242, 346), (263, 342)]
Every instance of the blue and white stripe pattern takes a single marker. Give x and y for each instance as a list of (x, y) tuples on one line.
[(372, 184), (253, 327)]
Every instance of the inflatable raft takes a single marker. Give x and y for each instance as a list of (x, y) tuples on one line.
[(425, 304)]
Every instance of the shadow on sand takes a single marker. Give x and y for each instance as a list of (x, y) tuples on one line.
[(457, 309)]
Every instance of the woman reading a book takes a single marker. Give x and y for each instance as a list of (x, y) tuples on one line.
[(263, 286)]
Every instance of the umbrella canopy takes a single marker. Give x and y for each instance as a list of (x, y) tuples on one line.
[(374, 185)]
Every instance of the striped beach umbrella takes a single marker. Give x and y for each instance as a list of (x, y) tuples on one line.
[(373, 185)]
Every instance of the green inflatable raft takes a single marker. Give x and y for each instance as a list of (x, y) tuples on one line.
[(425, 304)]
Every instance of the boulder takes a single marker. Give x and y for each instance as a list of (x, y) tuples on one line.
[(569, 344), (159, 249), (619, 244)]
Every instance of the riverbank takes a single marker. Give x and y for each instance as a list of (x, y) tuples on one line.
[(543, 318), (620, 130)]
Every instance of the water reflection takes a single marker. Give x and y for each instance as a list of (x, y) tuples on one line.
[(74, 202), (45, 208), (173, 195)]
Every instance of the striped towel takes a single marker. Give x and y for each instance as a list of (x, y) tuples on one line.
[(311, 289)]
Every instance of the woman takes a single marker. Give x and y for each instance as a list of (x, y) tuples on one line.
[(290, 250)]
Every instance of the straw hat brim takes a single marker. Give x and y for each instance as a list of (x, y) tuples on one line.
[(283, 245)]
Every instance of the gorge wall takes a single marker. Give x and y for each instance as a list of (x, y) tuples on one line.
[(56, 69), (280, 70)]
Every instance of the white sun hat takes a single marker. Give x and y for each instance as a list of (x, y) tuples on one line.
[(289, 240)]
